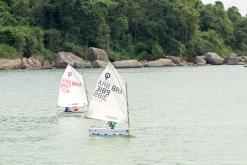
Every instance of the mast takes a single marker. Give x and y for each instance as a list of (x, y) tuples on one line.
[(127, 105), (85, 89)]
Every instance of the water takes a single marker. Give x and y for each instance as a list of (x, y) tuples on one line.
[(179, 116)]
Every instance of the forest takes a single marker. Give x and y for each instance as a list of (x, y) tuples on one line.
[(126, 29)]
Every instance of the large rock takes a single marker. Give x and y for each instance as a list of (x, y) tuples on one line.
[(159, 63), (99, 64), (96, 54), (232, 59), (46, 64), (176, 60), (214, 58), (200, 60), (144, 63), (33, 62), (26, 63), (64, 58), (242, 59), (127, 64), (37, 60), (10, 63)]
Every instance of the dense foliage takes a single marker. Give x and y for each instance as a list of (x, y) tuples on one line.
[(141, 29)]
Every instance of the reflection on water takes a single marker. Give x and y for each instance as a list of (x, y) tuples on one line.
[(179, 115)]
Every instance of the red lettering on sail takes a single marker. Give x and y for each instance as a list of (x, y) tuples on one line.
[(67, 84)]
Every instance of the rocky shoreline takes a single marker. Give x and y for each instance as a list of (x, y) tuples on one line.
[(97, 58)]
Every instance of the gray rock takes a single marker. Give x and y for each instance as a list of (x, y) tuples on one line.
[(99, 64), (241, 63), (232, 59), (160, 62), (200, 60), (46, 64), (96, 54), (37, 60), (31, 63), (53, 64), (144, 63), (26, 63), (64, 58), (176, 60), (10, 63), (83, 64), (242, 59), (127, 64), (214, 58)]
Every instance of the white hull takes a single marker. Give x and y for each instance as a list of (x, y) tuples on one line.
[(97, 131), (72, 114)]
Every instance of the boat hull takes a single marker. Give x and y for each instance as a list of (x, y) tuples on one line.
[(97, 131), (70, 114)]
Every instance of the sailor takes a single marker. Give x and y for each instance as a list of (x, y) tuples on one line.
[(75, 109), (67, 109), (111, 124)]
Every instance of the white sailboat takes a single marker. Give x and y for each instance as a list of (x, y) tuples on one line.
[(72, 92), (109, 102)]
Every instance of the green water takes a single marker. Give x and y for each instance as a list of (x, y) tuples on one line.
[(179, 115)]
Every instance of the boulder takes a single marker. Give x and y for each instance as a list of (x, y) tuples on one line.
[(214, 58), (232, 59), (160, 62), (46, 64), (64, 58), (127, 64), (241, 63), (83, 64), (176, 60), (37, 60), (99, 64), (200, 60), (144, 63), (26, 63), (10, 63), (53, 64), (96, 54), (31, 63), (242, 59)]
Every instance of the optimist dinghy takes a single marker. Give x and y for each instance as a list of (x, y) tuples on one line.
[(109, 103), (72, 93)]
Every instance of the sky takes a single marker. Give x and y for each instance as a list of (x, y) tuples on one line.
[(240, 4)]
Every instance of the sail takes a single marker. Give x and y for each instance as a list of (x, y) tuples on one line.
[(109, 101), (72, 90)]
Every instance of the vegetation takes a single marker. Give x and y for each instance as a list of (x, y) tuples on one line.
[(141, 29)]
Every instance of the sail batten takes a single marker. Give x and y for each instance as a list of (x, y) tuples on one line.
[(109, 98), (72, 90)]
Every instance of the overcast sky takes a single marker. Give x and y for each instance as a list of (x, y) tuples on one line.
[(240, 4)]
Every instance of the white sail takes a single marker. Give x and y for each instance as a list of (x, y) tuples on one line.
[(109, 101), (72, 90)]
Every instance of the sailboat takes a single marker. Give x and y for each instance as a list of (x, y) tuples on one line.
[(72, 92), (109, 103)]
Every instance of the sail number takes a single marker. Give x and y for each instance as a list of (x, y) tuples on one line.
[(67, 84), (104, 89), (101, 93)]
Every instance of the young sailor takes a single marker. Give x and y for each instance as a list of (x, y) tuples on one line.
[(72, 109), (67, 109), (111, 124)]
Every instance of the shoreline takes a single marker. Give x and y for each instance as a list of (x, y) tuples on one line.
[(185, 64), (100, 61)]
